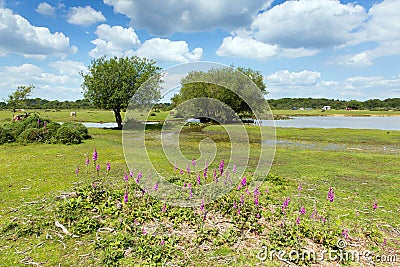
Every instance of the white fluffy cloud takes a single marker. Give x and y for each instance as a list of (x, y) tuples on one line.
[(306, 83), (17, 35), (84, 16), (295, 29), (250, 48), (381, 28), (285, 77), (45, 9), (164, 50), (114, 41), (61, 81), (119, 41), (169, 16)]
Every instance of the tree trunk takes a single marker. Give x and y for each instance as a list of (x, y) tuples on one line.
[(118, 118)]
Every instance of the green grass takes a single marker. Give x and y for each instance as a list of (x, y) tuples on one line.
[(333, 112), (31, 176)]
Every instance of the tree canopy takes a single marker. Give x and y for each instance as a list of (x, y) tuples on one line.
[(241, 89), (19, 97), (111, 83)]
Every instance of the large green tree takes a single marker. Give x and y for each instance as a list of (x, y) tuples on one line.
[(110, 83), (242, 89)]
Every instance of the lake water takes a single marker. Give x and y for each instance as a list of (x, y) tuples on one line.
[(379, 123)]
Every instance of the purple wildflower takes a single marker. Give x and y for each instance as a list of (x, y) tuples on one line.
[(234, 204), (298, 221), (375, 205), (77, 170), (247, 191), (285, 204), (44, 124), (131, 174), (95, 155), (331, 195), (215, 173), (97, 167), (300, 187), (108, 166), (242, 199), (126, 177), (244, 181), (266, 191), (345, 233), (126, 197), (234, 168), (144, 231), (314, 214), (190, 194), (87, 161), (188, 169), (156, 186), (258, 216), (205, 169), (256, 200), (384, 242), (221, 167), (202, 205), (138, 177), (162, 243), (164, 208), (302, 210), (181, 171), (198, 179), (194, 162), (239, 186)]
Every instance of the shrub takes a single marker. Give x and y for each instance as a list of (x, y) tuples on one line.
[(6, 135), (29, 135), (67, 135), (82, 129)]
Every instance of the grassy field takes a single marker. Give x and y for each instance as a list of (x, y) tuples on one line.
[(108, 116), (362, 166)]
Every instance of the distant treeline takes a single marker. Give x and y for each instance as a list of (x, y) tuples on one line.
[(38, 103), (283, 103), (318, 103)]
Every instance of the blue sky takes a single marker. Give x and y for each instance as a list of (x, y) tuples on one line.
[(305, 48)]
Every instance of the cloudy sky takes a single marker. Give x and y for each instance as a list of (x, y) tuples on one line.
[(306, 48)]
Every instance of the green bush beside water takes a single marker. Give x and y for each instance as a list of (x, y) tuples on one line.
[(37, 130)]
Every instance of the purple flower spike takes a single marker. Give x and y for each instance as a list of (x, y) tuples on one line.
[(131, 174), (285, 204), (138, 177), (164, 208), (162, 243), (202, 205), (375, 205), (181, 171), (302, 210), (108, 166), (87, 161), (198, 179), (97, 167), (244, 181), (345, 233), (300, 187), (95, 155), (256, 201), (221, 167), (298, 221), (126, 178), (126, 197), (234, 168), (241, 199), (331, 195), (234, 204), (188, 169), (194, 162), (77, 170), (156, 187)]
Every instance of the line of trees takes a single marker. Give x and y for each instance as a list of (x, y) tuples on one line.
[(318, 103), (39, 103)]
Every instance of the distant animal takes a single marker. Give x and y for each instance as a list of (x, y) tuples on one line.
[(73, 114), (17, 118)]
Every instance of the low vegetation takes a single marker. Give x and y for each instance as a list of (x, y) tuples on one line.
[(34, 129)]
